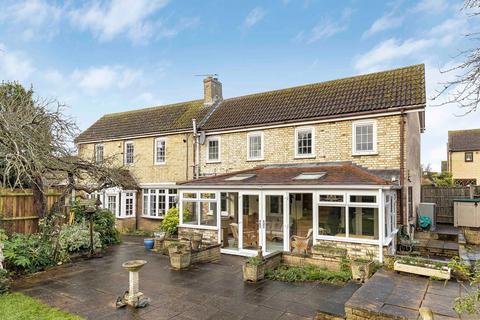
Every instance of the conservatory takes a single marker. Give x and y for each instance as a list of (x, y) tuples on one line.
[(336, 204)]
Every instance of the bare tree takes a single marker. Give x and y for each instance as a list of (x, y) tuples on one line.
[(464, 90), (36, 149)]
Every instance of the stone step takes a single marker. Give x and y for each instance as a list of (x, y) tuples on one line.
[(439, 248)]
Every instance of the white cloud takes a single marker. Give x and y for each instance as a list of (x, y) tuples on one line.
[(34, 19), (108, 20), (95, 79), (431, 6), (386, 22), (14, 65), (254, 17), (389, 50), (325, 29)]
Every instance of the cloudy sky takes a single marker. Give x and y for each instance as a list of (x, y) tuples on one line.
[(107, 56)]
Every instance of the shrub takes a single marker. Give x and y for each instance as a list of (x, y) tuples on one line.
[(170, 222), (254, 261), (103, 223), (75, 238), (30, 253), (4, 281), (307, 273)]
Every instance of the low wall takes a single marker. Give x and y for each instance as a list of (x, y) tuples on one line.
[(208, 254), (294, 260), (357, 250), (208, 236), (147, 224)]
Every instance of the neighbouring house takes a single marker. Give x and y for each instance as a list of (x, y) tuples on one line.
[(337, 160), (464, 156)]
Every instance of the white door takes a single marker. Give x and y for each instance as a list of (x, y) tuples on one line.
[(274, 222), (249, 222)]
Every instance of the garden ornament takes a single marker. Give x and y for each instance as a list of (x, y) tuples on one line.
[(133, 297)]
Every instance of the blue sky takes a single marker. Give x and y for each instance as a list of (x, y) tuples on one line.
[(107, 56)]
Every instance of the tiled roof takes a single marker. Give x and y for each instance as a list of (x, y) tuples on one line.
[(375, 92), (162, 119), (368, 93), (336, 173), (464, 140)]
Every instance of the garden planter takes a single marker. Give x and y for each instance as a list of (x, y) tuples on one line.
[(361, 270), (148, 243), (253, 273), (159, 235), (472, 236), (423, 270), (180, 260)]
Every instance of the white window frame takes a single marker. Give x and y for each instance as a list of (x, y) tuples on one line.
[(356, 124), (197, 200), (207, 148), (147, 192), (126, 153), (96, 153), (122, 212), (157, 140), (117, 202), (262, 145), (312, 131)]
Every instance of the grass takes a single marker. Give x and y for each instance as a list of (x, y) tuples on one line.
[(17, 306), (307, 273)]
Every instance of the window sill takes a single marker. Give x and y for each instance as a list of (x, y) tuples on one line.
[(212, 161), (160, 163), (359, 154), (122, 218), (196, 226), (344, 239), (153, 218), (310, 156), (253, 160)]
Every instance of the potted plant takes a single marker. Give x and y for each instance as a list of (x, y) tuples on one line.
[(253, 269), (423, 267), (361, 268), (180, 256), (148, 243)]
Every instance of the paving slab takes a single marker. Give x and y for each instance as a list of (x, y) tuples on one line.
[(89, 289)]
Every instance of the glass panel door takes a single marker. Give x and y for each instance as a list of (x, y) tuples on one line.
[(274, 222), (249, 231)]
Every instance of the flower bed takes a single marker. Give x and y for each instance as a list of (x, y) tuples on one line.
[(307, 273)]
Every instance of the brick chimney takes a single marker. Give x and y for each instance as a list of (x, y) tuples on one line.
[(212, 90)]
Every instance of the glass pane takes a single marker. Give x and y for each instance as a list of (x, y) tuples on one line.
[(207, 195), (274, 223), (208, 213), (191, 195), (331, 221), (331, 198), (250, 221), (301, 218), (363, 223), (190, 214), (363, 199), (229, 220)]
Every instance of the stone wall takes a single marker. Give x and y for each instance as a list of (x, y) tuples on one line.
[(356, 250), (124, 225), (208, 236), (147, 224)]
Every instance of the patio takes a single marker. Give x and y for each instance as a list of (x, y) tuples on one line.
[(207, 291)]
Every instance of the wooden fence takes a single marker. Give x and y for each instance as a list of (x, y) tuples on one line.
[(443, 198), (16, 210)]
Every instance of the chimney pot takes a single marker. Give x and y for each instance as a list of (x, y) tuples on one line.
[(212, 90)]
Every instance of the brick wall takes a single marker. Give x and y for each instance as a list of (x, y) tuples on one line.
[(208, 236), (465, 170), (333, 142)]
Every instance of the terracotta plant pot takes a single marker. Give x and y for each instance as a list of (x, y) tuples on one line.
[(253, 273), (361, 270), (180, 260)]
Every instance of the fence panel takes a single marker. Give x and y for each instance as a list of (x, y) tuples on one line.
[(16, 210), (443, 198)]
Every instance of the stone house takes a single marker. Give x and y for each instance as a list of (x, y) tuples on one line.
[(334, 157), (464, 156)]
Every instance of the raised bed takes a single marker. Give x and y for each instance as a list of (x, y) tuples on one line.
[(423, 270)]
